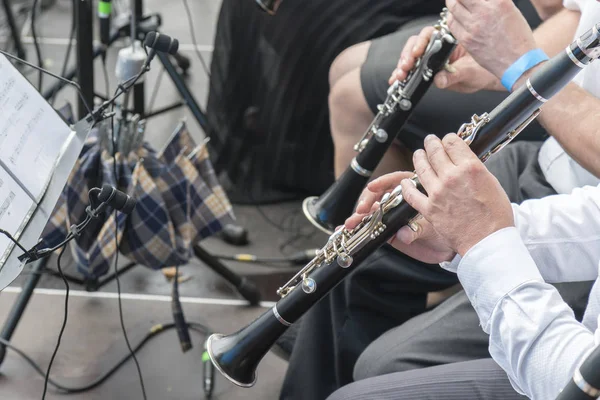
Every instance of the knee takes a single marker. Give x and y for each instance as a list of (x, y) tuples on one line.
[(347, 60), (347, 107), (379, 359), (339, 66), (340, 96)]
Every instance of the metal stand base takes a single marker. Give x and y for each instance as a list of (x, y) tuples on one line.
[(246, 288)]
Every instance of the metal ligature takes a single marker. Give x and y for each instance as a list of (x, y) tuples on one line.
[(236, 356), (337, 203)]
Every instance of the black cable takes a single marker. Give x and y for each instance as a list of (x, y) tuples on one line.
[(193, 34), (155, 90), (15, 241), (154, 331), (131, 352), (137, 364), (105, 72), (38, 51), (68, 53), (300, 257), (64, 324)]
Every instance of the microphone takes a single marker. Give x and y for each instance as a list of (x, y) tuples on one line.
[(157, 43), (163, 43), (104, 11), (116, 199), (60, 78)]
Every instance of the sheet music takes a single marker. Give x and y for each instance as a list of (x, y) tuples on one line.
[(31, 132), (15, 207)]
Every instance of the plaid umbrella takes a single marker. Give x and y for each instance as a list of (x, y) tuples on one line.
[(179, 202)]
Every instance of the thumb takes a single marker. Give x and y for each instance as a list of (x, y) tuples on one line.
[(407, 235), (453, 73)]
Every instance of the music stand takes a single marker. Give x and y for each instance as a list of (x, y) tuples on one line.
[(29, 236), (13, 267)]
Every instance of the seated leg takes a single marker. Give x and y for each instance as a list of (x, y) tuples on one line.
[(449, 333), (348, 60), (470, 380), (350, 116)]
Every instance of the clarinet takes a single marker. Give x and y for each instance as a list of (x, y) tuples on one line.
[(585, 381), (236, 356), (337, 203)]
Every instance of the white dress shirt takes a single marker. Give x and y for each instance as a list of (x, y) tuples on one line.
[(559, 169), (534, 335)]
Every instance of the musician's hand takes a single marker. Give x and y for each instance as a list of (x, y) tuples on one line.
[(424, 245), (413, 49), (466, 76), (494, 32), (462, 75), (375, 190), (465, 202)]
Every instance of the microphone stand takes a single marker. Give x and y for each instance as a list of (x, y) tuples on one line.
[(90, 117), (87, 52)]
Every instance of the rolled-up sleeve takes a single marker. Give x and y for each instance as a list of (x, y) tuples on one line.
[(534, 335)]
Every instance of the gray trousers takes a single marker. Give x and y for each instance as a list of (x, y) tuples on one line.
[(476, 379), (443, 353)]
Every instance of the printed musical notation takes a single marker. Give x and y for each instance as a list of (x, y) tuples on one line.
[(32, 136), (31, 132), (15, 206)]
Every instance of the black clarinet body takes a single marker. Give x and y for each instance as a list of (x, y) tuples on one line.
[(236, 356), (585, 383), (331, 209)]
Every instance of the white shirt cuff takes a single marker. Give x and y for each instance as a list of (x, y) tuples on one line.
[(452, 265), (494, 267)]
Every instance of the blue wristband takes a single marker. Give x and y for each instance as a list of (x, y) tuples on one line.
[(523, 64)]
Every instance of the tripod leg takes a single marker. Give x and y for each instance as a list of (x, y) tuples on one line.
[(139, 95), (245, 287), (185, 93), (20, 304), (14, 32), (85, 53)]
